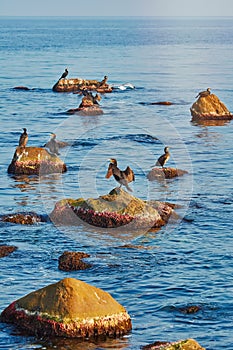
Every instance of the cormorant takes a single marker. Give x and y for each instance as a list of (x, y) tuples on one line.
[(204, 93), (121, 176), (104, 81), (23, 138), (52, 145), (64, 75), (164, 158)]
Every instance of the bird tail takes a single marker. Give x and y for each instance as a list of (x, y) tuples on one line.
[(128, 188)]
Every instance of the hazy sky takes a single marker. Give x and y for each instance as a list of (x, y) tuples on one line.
[(116, 8)]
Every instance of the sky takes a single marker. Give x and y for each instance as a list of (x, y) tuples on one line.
[(116, 8)]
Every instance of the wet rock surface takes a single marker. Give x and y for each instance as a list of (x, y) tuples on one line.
[(6, 250), (210, 107), (188, 344), (78, 84), (69, 308), (71, 261), (165, 173), (35, 161), (88, 111), (116, 209), (27, 218)]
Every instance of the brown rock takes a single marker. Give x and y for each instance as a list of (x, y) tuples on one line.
[(29, 218), (35, 161), (86, 111), (188, 344), (77, 84), (70, 261), (210, 107), (69, 308), (165, 173), (6, 250)]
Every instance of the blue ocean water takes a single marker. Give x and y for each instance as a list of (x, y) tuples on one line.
[(152, 274)]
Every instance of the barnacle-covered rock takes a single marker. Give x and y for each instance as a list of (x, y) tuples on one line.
[(35, 161), (210, 107), (188, 344), (116, 209), (79, 84), (164, 173), (69, 308)]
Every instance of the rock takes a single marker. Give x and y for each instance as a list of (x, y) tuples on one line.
[(29, 218), (88, 110), (5, 250), (68, 308), (116, 209), (162, 103), (210, 107), (35, 161), (188, 344), (165, 173), (25, 88), (70, 261), (77, 84)]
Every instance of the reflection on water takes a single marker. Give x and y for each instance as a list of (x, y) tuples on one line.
[(210, 122)]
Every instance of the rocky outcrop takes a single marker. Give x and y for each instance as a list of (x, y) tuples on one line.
[(28, 218), (71, 261), (35, 161), (164, 173), (5, 250), (188, 344), (69, 308), (116, 209), (210, 107), (88, 110), (78, 84)]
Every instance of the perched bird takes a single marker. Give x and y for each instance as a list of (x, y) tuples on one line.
[(64, 75), (121, 176), (23, 138), (104, 81), (52, 145), (204, 93), (162, 160)]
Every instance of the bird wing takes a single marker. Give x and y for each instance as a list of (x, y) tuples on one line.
[(129, 174), (109, 172), (160, 160)]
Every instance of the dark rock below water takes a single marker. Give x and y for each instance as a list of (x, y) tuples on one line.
[(25, 88), (29, 218), (210, 108), (165, 173), (69, 308), (116, 209), (5, 250), (160, 103), (88, 111), (70, 261), (35, 161), (188, 344)]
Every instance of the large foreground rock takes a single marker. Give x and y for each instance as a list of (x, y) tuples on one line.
[(210, 107), (69, 308), (35, 161), (188, 344), (116, 209)]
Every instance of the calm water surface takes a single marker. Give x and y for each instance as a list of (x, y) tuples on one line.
[(152, 274)]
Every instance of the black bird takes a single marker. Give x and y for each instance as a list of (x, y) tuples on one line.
[(204, 93), (103, 82), (52, 145), (23, 138), (64, 75), (164, 158), (121, 176)]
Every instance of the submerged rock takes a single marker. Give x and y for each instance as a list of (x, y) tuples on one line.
[(116, 209), (29, 218), (35, 161), (188, 344), (165, 173), (210, 107), (6, 250), (70, 261), (69, 308)]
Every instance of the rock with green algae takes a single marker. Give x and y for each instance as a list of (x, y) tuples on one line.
[(116, 209), (35, 161), (210, 107), (165, 173), (188, 344), (69, 308)]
